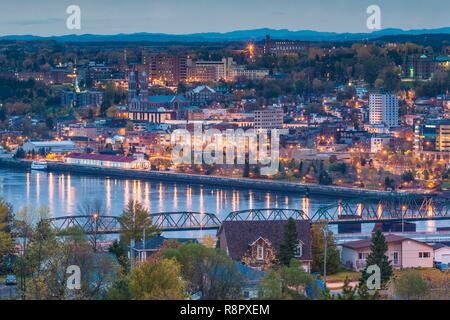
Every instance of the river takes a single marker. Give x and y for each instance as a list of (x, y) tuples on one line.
[(64, 194)]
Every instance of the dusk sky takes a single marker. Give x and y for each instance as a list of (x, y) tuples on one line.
[(48, 17)]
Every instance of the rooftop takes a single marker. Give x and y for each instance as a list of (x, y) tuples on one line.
[(165, 99), (52, 143), (362, 244), (203, 88), (240, 234), (158, 241)]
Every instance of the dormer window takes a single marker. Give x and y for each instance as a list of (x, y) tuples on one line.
[(260, 252), (299, 250)]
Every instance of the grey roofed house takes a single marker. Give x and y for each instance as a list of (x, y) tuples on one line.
[(145, 250), (390, 238), (257, 243), (251, 279)]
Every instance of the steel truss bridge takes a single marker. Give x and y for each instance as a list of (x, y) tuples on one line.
[(266, 215), (164, 221), (396, 208)]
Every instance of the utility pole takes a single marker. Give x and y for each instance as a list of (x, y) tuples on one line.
[(325, 231), (143, 245)]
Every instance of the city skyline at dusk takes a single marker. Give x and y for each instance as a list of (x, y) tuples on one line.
[(235, 152)]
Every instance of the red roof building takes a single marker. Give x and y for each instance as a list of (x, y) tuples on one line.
[(107, 161)]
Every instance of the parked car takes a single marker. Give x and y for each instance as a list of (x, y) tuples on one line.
[(11, 280), (442, 266)]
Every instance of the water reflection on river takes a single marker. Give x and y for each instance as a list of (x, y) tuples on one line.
[(63, 193)]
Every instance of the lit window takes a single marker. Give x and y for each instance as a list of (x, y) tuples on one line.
[(299, 250), (260, 252)]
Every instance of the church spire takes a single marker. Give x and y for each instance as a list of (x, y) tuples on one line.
[(132, 86)]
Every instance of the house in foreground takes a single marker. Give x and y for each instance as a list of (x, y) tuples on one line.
[(143, 250), (402, 253), (441, 253), (251, 279), (257, 243)]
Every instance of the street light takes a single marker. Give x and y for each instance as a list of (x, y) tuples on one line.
[(404, 209), (95, 217), (325, 231)]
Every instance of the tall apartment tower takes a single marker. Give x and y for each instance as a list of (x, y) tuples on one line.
[(383, 109), (166, 69), (269, 118)]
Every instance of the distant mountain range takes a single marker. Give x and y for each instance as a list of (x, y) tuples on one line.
[(241, 35)]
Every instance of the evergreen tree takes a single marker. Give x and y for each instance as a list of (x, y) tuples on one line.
[(20, 154), (300, 170), (289, 242), (292, 164), (119, 250), (389, 183), (246, 171), (364, 294), (318, 248), (348, 293), (377, 256), (324, 178), (257, 171), (134, 220)]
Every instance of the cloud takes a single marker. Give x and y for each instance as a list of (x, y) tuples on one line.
[(32, 22)]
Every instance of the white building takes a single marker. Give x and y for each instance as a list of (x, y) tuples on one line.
[(205, 71), (50, 146), (269, 118), (378, 142), (249, 74), (383, 109), (402, 252), (441, 253), (107, 161)]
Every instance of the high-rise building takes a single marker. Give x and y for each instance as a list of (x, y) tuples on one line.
[(383, 109), (269, 118), (166, 69), (418, 67), (433, 135), (284, 47), (80, 98), (432, 139), (210, 71)]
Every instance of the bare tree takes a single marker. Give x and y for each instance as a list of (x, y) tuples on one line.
[(94, 210)]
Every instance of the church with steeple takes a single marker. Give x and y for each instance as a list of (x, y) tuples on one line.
[(154, 109)]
